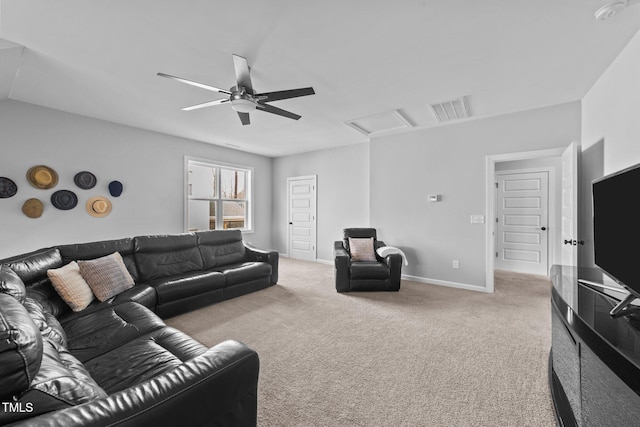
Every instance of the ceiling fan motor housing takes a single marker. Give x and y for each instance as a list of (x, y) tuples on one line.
[(241, 101)]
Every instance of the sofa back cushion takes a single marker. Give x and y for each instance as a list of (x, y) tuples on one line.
[(221, 247), (20, 347), (32, 270), (11, 283), (93, 250), (166, 255)]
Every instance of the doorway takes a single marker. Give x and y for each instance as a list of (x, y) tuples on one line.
[(301, 217), (565, 218)]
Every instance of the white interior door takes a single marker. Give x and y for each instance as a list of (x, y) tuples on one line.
[(522, 227), (302, 217), (569, 210)]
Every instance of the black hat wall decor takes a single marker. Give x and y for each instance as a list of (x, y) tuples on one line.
[(8, 188), (85, 180), (64, 199)]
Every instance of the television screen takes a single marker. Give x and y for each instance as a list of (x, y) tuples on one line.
[(616, 226)]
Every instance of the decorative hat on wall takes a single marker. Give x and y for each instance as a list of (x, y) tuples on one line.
[(64, 199), (8, 188), (99, 206), (42, 177), (33, 208), (85, 180), (115, 188)]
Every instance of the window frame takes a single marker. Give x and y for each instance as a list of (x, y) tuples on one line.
[(219, 200)]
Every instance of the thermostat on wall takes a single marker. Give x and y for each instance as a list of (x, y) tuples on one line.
[(434, 198)]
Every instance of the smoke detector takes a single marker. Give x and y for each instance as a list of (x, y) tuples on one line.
[(610, 9)]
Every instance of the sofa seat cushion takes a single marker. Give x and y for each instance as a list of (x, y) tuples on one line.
[(244, 272), (143, 358), (49, 326), (62, 381), (369, 270), (187, 285), (101, 331)]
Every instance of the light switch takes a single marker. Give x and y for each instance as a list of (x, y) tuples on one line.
[(477, 219), (434, 198)]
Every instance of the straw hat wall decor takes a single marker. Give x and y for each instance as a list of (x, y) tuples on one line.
[(42, 177), (99, 206), (33, 208)]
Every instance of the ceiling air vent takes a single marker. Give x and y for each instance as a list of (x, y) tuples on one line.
[(450, 110)]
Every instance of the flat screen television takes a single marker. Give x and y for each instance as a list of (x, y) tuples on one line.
[(616, 231)]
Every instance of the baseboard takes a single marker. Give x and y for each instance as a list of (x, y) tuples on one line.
[(427, 280), (446, 283)]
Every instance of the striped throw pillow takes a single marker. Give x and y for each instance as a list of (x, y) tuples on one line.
[(106, 276)]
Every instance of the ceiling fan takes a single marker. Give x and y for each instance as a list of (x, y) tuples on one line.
[(242, 97)]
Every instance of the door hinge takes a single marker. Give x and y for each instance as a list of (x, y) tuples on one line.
[(496, 254), (496, 185)]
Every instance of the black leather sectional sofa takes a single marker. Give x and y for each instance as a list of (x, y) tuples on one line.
[(116, 362)]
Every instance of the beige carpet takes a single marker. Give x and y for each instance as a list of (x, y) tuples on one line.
[(425, 356)]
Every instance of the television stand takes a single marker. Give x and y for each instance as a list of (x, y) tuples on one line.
[(594, 364)]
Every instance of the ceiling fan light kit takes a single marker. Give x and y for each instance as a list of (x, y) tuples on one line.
[(242, 97)]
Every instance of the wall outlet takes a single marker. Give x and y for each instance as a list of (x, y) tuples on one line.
[(455, 264)]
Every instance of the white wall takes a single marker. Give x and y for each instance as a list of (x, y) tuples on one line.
[(610, 131), (342, 193), (149, 164), (450, 160)]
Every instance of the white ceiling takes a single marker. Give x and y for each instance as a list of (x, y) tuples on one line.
[(362, 57)]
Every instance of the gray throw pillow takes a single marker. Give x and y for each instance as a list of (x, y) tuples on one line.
[(106, 276)]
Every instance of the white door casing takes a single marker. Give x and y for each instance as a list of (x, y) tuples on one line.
[(301, 217), (522, 224), (569, 209)]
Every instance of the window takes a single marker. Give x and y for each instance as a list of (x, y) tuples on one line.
[(218, 196)]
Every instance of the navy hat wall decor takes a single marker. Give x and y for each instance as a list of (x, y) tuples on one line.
[(64, 200), (8, 188), (85, 180), (115, 188)]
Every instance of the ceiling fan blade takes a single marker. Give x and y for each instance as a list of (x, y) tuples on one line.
[(196, 84), (242, 73), (206, 104), (285, 94), (279, 111), (244, 118)]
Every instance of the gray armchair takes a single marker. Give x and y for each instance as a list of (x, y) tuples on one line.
[(373, 274)]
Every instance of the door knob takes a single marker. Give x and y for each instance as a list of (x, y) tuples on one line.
[(568, 242), (543, 228)]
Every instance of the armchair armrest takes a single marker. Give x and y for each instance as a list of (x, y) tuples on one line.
[(219, 387), (341, 262), (259, 255)]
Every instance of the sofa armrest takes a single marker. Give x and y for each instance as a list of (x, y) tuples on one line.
[(394, 261), (341, 262), (219, 387), (259, 255)]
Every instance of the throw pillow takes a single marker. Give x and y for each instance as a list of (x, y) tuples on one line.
[(71, 287), (106, 276), (362, 249)]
